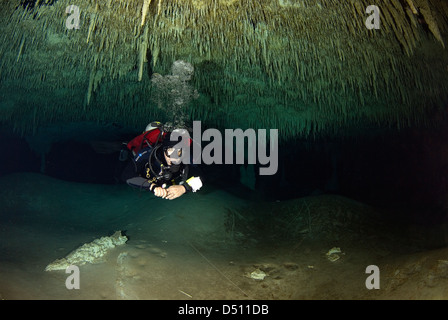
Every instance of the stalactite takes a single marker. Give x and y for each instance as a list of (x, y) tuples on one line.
[(91, 26), (145, 9), (142, 53), (425, 9), (306, 62), (20, 49), (91, 80), (412, 7)]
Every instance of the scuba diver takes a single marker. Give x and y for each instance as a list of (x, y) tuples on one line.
[(156, 162)]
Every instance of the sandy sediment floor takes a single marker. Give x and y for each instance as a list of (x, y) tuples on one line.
[(210, 245)]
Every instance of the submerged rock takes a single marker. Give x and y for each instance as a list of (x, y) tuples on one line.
[(92, 252)]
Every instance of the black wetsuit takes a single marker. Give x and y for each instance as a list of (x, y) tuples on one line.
[(149, 167)]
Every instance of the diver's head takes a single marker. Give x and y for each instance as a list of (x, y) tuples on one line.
[(173, 156), (176, 146)]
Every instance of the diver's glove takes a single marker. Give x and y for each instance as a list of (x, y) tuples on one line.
[(193, 184)]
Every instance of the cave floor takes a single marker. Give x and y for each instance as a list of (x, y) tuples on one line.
[(206, 247)]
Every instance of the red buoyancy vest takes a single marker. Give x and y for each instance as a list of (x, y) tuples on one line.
[(147, 138)]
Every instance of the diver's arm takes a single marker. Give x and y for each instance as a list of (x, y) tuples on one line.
[(193, 180), (192, 184), (170, 193), (175, 191), (160, 192)]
